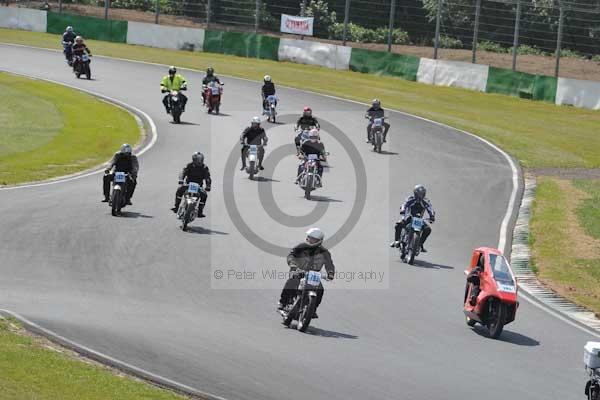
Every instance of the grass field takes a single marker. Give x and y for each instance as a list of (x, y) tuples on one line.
[(538, 134), (47, 130), (565, 231), (33, 368)]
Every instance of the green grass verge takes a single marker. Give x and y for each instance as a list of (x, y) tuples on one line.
[(588, 211), (48, 130), (30, 370), (537, 133), (565, 257)]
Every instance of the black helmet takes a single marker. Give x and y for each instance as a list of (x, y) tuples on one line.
[(172, 70), (376, 103), (420, 192), (210, 71), (198, 158)]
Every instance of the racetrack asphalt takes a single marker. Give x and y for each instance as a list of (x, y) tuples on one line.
[(139, 289)]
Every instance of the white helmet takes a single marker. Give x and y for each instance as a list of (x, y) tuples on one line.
[(314, 237), (267, 78), (255, 120), (125, 148), (313, 135), (69, 28)]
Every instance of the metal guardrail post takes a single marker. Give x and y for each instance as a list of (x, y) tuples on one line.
[(257, 16), (208, 11), (60, 6), (157, 11), (436, 44), (476, 30), (346, 18), (106, 2), (391, 25), (561, 19), (516, 36)]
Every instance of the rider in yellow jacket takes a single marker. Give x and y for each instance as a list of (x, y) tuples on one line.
[(173, 81)]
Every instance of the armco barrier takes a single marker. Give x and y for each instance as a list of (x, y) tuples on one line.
[(380, 63), (89, 27), (315, 53), (453, 73), (166, 37), (578, 93), (241, 44), (521, 84), (23, 18)]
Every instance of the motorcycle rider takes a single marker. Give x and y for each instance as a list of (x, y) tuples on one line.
[(79, 48), (376, 112), (306, 121), (415, 204), (68, 38), (254, 134), (473, 278), (173, 81), (309, 255), (208, 78), (122, 161), (312, 146), (268, 89), (198, 172)]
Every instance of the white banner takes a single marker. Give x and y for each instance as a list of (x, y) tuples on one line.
[(297, 25)]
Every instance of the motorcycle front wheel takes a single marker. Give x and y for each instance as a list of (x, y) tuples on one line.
[(287, 320), (306, 314), (116, 203), (414, 247), (187, 216), (496, 322)]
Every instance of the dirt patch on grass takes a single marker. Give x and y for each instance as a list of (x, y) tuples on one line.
[(585, 246), (544, 65)]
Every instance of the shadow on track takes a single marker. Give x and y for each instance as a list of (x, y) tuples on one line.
[(325, 199), (388, 153), (264, 179), (133, 214), (220, 114), (425, 264), (329, 334), (508, 337), (204, 231), (184, 123)]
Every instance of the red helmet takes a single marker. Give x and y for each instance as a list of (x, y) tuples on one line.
[(307, 112)]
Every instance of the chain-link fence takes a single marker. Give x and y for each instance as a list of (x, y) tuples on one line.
[(495, 32)]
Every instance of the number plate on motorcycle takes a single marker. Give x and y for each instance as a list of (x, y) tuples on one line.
[(193, 187), (271, 99), (85, 58), (313, 278), (215, 91), (417, 223), (119, 177), (502, 287), (378, 122), (313, 156), (253, 150)]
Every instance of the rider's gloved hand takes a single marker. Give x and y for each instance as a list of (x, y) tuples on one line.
[(180, 182), (432, 220), (330, 276)]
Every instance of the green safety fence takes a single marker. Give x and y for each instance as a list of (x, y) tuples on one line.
[(241, 44), (521, 84), (88, 27), (382, 63)]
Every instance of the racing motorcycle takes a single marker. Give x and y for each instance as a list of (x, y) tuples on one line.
[(410, 238), (310, 179), (188, 208), (81, 66), (212, 95), (304, 304), (271, 111), (495, 304), (376, 133), (68, 52), (118, 193), (252, 160), (175, 105)]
